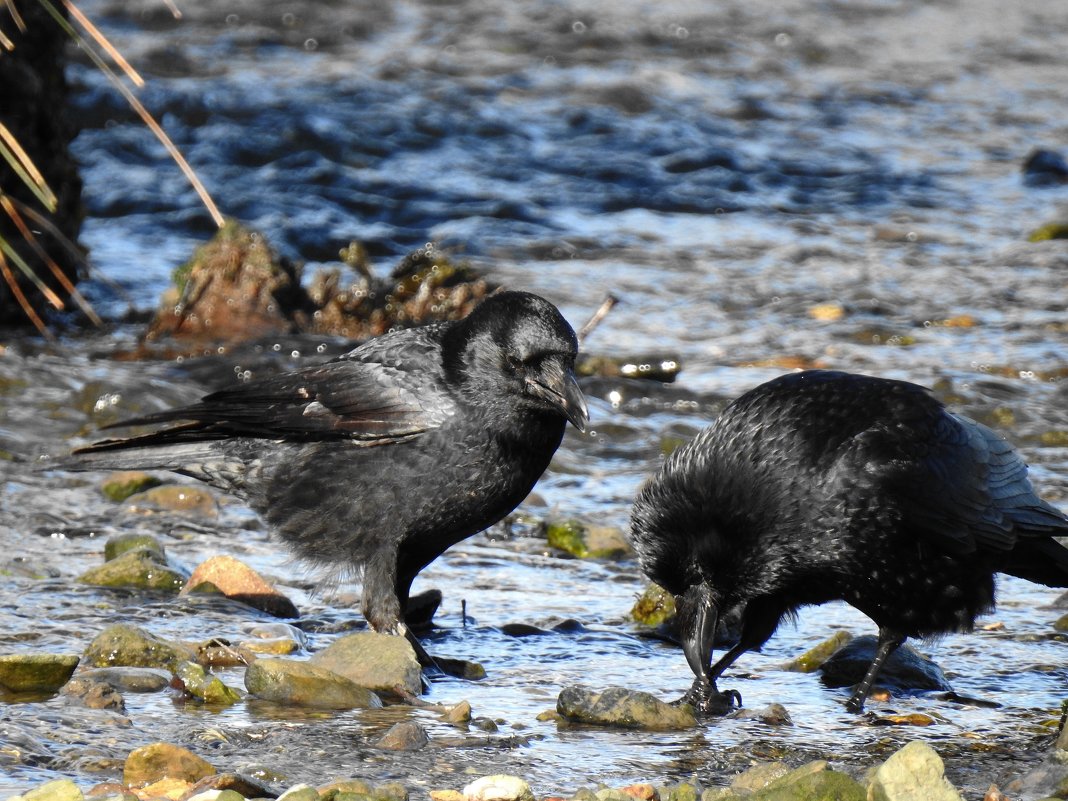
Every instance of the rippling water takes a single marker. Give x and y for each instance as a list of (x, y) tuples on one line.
[(726, 172)]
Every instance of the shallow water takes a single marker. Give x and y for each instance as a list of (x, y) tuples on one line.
[(724, 172)]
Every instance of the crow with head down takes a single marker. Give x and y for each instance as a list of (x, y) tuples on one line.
[(821, 486), (382, 458)]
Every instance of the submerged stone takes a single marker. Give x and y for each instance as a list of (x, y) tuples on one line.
[(123, 644), (156, 761), (381, 662), (914, 773), (28, 673), (287, 681), (130, 679), (236, 580), (94, 694), (175, 498), (139, 569), (623, 708)]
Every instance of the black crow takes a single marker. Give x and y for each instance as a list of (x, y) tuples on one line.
[(382, 458), (819, 486)]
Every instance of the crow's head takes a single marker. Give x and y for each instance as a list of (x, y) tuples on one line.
[(517, 347)]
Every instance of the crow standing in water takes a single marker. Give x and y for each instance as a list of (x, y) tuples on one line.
[(821, 485), (384, 457)]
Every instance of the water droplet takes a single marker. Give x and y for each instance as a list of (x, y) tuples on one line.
[(783, 39), (311, 44), (578, 26)]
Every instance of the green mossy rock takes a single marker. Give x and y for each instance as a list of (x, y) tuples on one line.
[(123, 644), (914, 773), (120, 544), (58, 790), (622, 708), (120, 486), (29, 673), (381, 662), (208, 688), (655, 606), (287, 681), (587, 542), (814, 657), (139, 569)]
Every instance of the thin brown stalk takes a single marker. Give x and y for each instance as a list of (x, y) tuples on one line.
[(43, 255), (6, 43), (23, 165), (12, 254), (175, 11), (20, 23), (595, 319), (142, 112), (27, 309), (102, 40)]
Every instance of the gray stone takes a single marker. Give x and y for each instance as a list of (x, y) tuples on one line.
[(130, 679), (914, 773), (287, 681), (381, 662), (623, 708)]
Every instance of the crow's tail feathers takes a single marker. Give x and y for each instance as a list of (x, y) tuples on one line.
[(1039, 559)]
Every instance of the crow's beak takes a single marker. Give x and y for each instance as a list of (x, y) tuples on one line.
[(558, 385), (697, 626)]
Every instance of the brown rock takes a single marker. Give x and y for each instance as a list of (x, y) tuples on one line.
[(151, 763), (236, 580)]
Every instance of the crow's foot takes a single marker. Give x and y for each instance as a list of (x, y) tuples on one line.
[(707, 699)]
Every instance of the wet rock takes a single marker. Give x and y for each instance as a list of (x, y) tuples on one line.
[(812, 781), (1061, 744), (758, 777), (110, 791), (201, 684), (461, 668), (679, 792), (240, 785), (912, 719), (404, 736), (622, 708), (641, 792), (381, 662), (123, 644), (287, 681), (814, 658), (611, 794), (151, 763), (300, 792), (485, 724), (914, 773), (1044, 168), (584, 541), (233, 288), (120, 486), (130, 679), (664, 368), (270, 631), (175, 498), (498, 788), (139, 569), (446, 795), (277, 646), (120, 544), (457, 714), (211, 795), (655, 606), (58, 790), (1048, 780), (771, 715), (905, 670), (1044, 233), (350, 787), (94, 694), (522, 630), (172, 789), (391, 791), (1061, 623), (36, 673), (236, 580)]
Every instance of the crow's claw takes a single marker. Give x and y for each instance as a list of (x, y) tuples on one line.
[(707, 699)]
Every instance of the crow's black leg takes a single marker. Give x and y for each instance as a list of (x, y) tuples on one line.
[(888, 643)]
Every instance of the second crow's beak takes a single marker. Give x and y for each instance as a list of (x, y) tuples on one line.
[(558, 385), (698, 616)]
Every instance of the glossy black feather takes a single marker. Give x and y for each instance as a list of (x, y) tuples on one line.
[(822, 485), (382, 458)]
